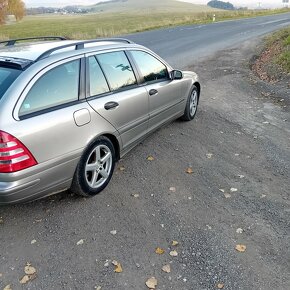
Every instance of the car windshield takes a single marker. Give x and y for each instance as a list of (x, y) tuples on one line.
[(7, 77)]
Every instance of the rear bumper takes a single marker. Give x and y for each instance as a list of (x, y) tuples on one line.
[(38, 181)]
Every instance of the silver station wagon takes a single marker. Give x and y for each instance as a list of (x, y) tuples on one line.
[(70, 109)]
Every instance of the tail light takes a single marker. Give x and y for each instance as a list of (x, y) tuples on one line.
[(14, 156)]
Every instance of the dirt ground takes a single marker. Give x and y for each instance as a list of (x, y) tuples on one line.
[(237, 195)]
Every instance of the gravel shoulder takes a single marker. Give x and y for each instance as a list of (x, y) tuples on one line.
[(239, 152)]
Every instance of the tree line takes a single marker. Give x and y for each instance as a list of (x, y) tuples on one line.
[(221, 5), (11, 7)]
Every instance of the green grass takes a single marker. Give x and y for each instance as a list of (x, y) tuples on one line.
[(121, 18), (281, 39)]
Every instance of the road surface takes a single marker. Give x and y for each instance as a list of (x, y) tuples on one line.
[(181, 46)]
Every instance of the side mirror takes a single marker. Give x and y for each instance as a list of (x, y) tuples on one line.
[(176, 75)]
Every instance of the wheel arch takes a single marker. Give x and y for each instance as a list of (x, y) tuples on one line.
[(197, 84), (115, 143)]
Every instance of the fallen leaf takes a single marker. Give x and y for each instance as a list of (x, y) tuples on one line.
[(136, 195), (266, 122), (151, 283), (241, 176), (209, 155), (159, 251), (25, 279), (166, 268), (122, 168), (98, 287), (239, 231), (220, 285), (80, 242), (33, 242), (174, 243), (113, 232), (8, 287), (173, 189), (150, 158), (241, 248), (234, 189), (1, 275), (29, 270), (118, 267), (227, 195), (189, 170), (38, 221), (222, 190), (173, 254), (263, 196)]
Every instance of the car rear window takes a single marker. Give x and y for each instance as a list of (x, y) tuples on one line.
[(7, 77)]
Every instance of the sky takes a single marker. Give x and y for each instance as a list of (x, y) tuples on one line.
[(237, 3)]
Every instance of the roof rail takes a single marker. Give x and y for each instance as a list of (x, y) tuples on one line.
[(81, 45), (12, 42)]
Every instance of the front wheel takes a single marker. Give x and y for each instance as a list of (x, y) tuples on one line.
[(95, 168), (191, 105)]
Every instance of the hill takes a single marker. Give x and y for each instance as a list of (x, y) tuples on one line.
[(149, 6)]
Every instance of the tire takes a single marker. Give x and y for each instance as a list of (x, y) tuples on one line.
[(191, 105), (95, 168)]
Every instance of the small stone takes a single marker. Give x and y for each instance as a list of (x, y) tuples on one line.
[(107, 263), (173, 254), (80, 242), (113, 232)]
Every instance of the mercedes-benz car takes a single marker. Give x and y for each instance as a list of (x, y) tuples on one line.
[(69, 109)]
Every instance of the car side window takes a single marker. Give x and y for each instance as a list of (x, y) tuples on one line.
[(117, 69), (151, 68), (58, 86), (98, 83)]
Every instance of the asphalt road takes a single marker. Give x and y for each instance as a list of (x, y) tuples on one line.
[(238, 193), (183, 45)]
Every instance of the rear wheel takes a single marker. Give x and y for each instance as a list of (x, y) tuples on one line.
[(95, 168), (191, 105)]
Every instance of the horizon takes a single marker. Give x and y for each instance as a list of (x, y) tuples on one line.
[(236, 3)]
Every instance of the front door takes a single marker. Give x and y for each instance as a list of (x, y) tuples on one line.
[(114, 94)]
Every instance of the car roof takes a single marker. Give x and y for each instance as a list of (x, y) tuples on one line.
[(22, 54)]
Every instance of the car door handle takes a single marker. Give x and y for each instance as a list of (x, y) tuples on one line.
[(153, 92), (111, 105)]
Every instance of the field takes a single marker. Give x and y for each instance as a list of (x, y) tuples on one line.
[(120, 18)]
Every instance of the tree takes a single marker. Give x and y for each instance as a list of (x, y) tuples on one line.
[(3, 10), (17, 8), (221, 5)]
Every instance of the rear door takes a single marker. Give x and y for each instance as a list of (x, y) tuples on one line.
[(165, 100), (113, 92)]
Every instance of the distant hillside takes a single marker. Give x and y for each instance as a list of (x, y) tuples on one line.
[(149, 6)]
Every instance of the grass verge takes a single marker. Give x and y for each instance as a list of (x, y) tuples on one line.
[(281, 39), (109, 24)]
